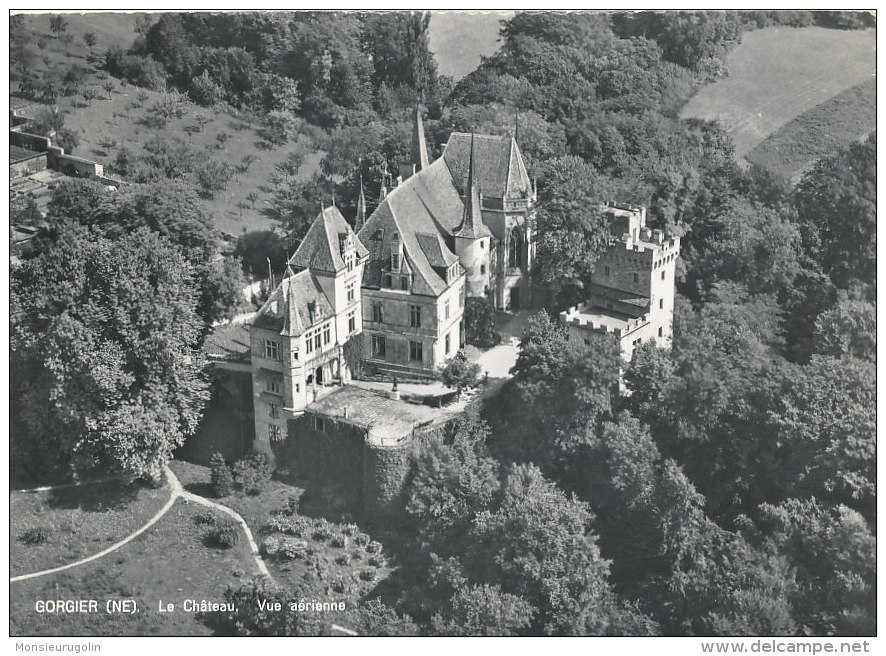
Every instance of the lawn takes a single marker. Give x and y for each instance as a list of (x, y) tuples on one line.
[(777, 74), (172, 561), (119, 119), (76, 522), (792, 149)]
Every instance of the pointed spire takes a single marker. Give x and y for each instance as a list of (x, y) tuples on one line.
[(472, 225), (516, 124), (333, 200), (360, 219), (419, 145), (383, 193)]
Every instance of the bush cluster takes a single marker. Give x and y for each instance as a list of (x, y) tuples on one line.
[(225, 534)]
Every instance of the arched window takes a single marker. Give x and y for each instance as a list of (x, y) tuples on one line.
[(515, 248)]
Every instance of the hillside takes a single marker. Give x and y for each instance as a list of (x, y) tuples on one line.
[(778, 73), (849, 116)]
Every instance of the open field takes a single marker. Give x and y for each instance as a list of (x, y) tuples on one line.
[(169, 562), (77, 522), (778, 73), (459, 39), (792, 149)]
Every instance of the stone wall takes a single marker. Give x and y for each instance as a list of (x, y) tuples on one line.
[(28, 166)]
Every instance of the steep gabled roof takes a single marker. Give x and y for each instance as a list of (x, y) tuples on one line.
[(472, 226), (435, 250), (498, 166), (295, 305), (320, 250)]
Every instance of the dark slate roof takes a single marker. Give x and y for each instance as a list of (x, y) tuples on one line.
[(435, 250), (499, 171), (228, 342), (321, 248), (300, 304)]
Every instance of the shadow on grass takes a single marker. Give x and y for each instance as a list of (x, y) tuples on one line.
[(201, 490), (98, 497)]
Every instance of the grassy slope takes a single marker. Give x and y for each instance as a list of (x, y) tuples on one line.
[(778, 73), (835, 123), (109, 124), (80, 522), (459, 39), (169, 562)]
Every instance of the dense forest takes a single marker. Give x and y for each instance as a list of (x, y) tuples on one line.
[(730, 491)]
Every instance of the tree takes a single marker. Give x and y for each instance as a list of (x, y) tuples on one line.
[(57, 25), (837, 204), (256, 247), (221, 297), (89, 94), (479, 323), (222, 478), (375, 618), (109, 87), (103, 349), (280, 127), (459, 372), (483, 610), (252, 615), (90, 40)]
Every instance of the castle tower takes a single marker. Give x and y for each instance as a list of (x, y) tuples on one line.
[(473, 238), (418, 152), (360, 219)]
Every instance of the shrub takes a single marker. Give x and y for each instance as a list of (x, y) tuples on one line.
[(343, 560), (367, 575), (350, 529), (322, 532), (291, 548), (225, 534), (272, 545), (292, 504), (378, 561), (373, 547), (362, 540), (339, 585), (222, 479), (252, 474), (340, 541), (36, 535), (480, 323), (205, 518)]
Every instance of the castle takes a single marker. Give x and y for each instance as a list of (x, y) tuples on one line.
[(391, 291)]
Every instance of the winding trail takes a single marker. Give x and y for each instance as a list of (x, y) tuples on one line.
[(176, 492)]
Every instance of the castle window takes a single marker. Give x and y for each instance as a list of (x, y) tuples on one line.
[(661, 304), (662, 275), (296, 387), (352, 322), (447, 345), (415, 316), (319, 424), (378, 346), (274, 433), (636, 277), (395, 261), (446, 309), (272, 350), (515, 248), (415, 351), (309, 343), (317, 341), (351, 292), (327, 334), (660, 331), (274, 411), (483, 269), (272, 387), (378, 313), (404, 283), (606, 270), (482, 245), (349, 261)]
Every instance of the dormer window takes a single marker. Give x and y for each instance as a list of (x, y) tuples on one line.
[(395, 262)]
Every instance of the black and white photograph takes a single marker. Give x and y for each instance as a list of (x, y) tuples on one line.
[(443, 323)]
